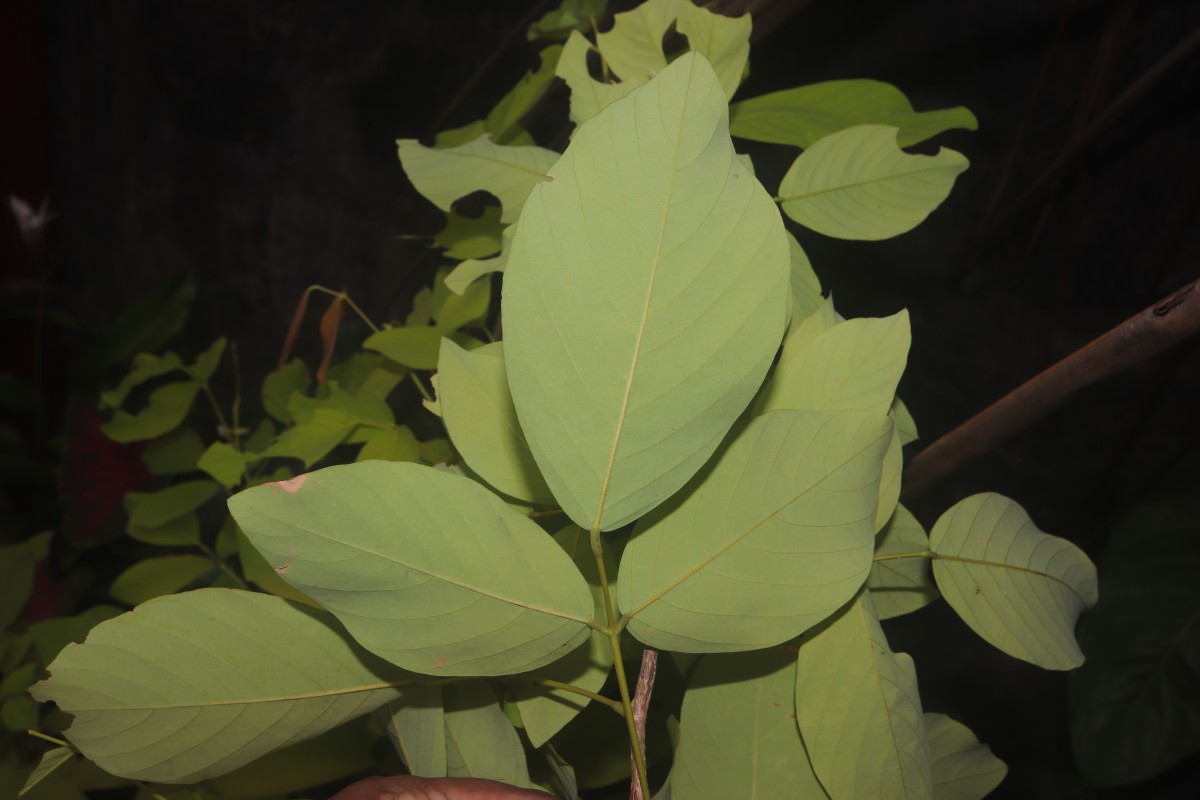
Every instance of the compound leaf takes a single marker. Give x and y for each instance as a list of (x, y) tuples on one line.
[(858, 184), (775, 537), (191, 686), (850, 687), (424, 567), (1020, 589), (645, 297)]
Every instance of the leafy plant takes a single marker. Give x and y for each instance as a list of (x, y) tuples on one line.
[(678, 445)]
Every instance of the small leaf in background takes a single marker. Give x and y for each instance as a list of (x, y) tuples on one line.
[(19, 713), (444, 176), (414, 347), (963, 767), (562, 773), (545, 711), (331, 320), (387, 444), (207, 362), (17, 563), (806, 287), (669, 328), (504, 120), (155, 577), (159, 508), (180, 532), (459, 311), (906, 426), (1020, 589), (588, 96), (174, 454), (51, 635), (313, 439), (456, 137), (417, 729), (1135, 703), (48, 763), (471, 270), (803, 115), (471, 237), (633, 46), (738, 730), (480, 742), (191, 686), (858, 184), (426, 568), (482, 422), (146, 366), (724, 41), (853, 365), (422, 310), (279, 386), (226, 465), (901, 585), (851, 687), (167, 407), (775, 536), (571, 15)]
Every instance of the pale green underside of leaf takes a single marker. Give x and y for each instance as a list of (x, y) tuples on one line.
[(963, 768), (724, 41), (588, 96), (645, 297), (545, 711), (479, 415), (194, 685), (806, 287), (471, 237), (738, 732), (852, 365), (802, 115), (889, 480), (480, 741), (901, 585), (468, 272), (775, 537), (503, 121), (859, 711), (445, 176), (1020, 589), (905, 424), (424, 567), (418, 730), (50, 761), (858, 184)]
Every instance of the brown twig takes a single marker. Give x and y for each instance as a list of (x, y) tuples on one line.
[(641, 703), (1156, 328)]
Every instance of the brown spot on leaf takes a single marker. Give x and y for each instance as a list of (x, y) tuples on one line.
[(291, 485), (282, 570), (441, 662)]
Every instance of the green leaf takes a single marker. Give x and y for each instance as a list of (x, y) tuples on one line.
[(901, 585), (806, 288), (471, 237), (146, 366), (468, 272), (226, 465), (389, 444), (850, 687), (629, 362), (17, 562), (155, 577), (256, 570), (570, 15), (207, 362), (858, 184), (180, 532), (425, 568), (157, 509), (588, 96), (632, 48), (174, 454), (906, 426), (545, 711), (504, 120), (18, 713), (456, 137), (417, 728), (363, 407), (51, 635), (48, 763), (889, 481), (562, 773), (1020, 589), (771, 540), (739, 736), (458, 311), (313, 440), (479, 415), (480, 742), (192, 686), (414, 347), (963, 768), (444, 176), (852, 365), (724, 41), (167, 407), (279, 386), (1135, 704), (805, 114)]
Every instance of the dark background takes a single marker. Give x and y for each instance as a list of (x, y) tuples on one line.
[(253, 142)]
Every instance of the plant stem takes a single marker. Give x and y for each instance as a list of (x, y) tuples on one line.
[(48, 738), (894, 556), (353, 306), (421, 387), (615, 705), (641, 706), (222, 565), (614, 642)]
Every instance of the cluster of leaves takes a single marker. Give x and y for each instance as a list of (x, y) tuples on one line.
[(679, 444)]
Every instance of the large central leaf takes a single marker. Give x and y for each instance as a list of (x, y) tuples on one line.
[(645, 296), (426, 568)]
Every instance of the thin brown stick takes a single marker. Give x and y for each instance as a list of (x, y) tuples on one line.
[(640, 705), (1156, 328)]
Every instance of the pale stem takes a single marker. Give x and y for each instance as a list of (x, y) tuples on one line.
[(48, 738), (641, 705), (917, 554), (353, 306), (223, 565)]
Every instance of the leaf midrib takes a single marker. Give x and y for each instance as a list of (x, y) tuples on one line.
[(857, 184), (287, 698), (1005, 566)]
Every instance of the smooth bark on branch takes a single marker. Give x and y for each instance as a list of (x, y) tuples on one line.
[(1146, 334)]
